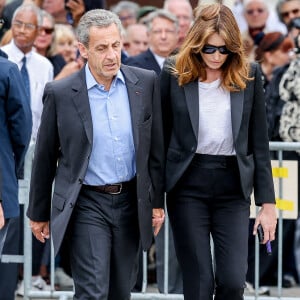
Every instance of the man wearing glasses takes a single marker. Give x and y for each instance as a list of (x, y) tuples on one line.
[(35, 70)]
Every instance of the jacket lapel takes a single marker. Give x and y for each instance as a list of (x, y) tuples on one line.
[(237, 101), (81, 101), (192, 100), (135, 94)]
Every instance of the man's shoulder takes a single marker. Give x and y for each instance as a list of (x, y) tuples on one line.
[(7, 66), (127, 69)]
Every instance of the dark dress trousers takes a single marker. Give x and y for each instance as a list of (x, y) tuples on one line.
[(209, 194), (62, 154)]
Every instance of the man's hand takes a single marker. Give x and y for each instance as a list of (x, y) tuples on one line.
[(2, 219), (268, 219), (40, 230), (158, 218)]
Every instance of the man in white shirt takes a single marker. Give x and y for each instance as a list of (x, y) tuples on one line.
[(25, 25)]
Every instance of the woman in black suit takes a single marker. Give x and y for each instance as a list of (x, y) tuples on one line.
[(217, 153)]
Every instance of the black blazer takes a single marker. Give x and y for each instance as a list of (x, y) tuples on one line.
[(145, 60), (64, 145), (249, 129)]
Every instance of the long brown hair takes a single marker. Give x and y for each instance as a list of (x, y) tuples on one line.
[(189, 66)]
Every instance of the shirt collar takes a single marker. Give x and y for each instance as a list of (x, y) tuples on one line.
[(91, 81), (18, 54)]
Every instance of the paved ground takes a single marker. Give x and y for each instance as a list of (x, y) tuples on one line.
[(291, 293)]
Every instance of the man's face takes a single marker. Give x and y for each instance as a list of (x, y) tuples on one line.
[(137, 39), (256, 14), (103, 53), (24, 30), (54, 7), (163, 36), (184, 14), (290, 10)]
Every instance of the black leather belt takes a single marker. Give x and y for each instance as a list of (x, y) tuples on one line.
[(112, 189)]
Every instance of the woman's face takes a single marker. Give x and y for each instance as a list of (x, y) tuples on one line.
[(66, 47), (45, 35), (279, 57), (214, 61)]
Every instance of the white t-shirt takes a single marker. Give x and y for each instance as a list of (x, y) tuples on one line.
[(215, 128)]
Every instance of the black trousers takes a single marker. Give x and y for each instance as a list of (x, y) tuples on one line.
[(104, 241), (208, 201)]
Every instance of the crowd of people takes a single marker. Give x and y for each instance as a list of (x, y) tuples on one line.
[(128, 104)]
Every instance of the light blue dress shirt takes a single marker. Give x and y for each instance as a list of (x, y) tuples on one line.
[(113, 155)]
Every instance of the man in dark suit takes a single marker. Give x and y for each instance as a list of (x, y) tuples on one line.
[(163, 37), (100, 139), (15, 132)]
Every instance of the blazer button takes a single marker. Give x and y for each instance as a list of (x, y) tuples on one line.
[(80, 180), (193, 149), (71, 205)]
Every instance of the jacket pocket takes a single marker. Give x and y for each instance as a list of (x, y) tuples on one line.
[(58, 202)]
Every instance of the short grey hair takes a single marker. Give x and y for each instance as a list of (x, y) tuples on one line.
[(29, 7), (161, 13), (100, 18), (45, 15), (125, 5)]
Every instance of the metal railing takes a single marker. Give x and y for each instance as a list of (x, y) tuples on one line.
[(144, 295)]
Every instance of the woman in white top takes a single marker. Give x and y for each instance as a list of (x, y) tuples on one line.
[(216, 154)]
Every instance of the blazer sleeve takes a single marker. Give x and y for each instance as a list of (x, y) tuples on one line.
[(19, 115), (263, 180)]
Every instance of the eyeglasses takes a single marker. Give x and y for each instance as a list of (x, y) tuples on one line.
[(209, 49), (252, 11), (27, 26), (47, 30), (1, 23), (286, 14), (161, 31)]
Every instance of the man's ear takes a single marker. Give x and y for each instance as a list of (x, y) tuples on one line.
[(83, 50)]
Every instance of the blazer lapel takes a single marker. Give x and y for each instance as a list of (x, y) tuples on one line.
[(237, 101), (135, 94), (81, 101), (192, 100)]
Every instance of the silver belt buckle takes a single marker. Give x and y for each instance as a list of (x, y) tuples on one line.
[(120, 189)]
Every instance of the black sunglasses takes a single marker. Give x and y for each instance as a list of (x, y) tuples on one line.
[(47, 30), (209, 49)]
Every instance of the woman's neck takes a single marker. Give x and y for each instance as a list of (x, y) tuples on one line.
[(212, 75)]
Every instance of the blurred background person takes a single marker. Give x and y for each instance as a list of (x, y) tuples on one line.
[(256, 13), (43, 43), (64, 43), (2, 26), (183, 10), (288, 10), (36, 71), (274, 54), (136, 39), (15, 132), (57, 9), (127, 12)]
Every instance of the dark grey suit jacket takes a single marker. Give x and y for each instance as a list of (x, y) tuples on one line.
[(64, 146), (249, 129), (145, 60)]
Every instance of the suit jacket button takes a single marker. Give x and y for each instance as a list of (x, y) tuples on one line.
[(80, 180), (71, 205)]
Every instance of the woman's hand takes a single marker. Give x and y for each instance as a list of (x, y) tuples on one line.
[(267, 217)]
